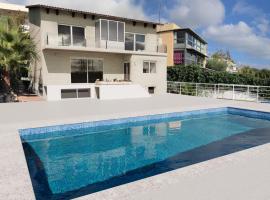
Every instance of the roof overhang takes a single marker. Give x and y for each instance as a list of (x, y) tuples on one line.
[(92, 13)]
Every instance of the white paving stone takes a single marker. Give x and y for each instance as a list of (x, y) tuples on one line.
[(242, 175)]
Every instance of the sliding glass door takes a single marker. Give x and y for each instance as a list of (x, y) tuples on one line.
[(86, 70)]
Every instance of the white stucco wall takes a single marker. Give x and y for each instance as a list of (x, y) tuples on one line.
[(157, 80), (54, 65), (57, 65)]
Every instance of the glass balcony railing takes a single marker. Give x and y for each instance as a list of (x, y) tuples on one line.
[(68, 41)]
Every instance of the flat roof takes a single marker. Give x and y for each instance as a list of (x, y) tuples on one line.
[(13, 7), (91, 13)]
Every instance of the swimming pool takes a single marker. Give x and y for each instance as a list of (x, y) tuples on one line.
[(69, 161)]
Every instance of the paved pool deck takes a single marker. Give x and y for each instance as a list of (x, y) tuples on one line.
[(242, 175)]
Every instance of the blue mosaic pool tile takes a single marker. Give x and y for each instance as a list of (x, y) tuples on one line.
[(97, 126), (32, 132), (249, 113)]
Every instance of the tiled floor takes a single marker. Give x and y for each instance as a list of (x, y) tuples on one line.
[(244, 175)]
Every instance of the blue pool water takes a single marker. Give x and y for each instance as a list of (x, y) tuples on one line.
[(75, 162)]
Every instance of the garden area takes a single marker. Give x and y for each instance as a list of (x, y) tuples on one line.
[(17, 52)]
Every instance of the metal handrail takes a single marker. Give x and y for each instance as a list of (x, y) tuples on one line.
[(221, 91)]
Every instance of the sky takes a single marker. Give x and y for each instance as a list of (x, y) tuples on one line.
[(240, 26)]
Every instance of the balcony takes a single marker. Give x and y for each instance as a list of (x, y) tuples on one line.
[(58, 42)]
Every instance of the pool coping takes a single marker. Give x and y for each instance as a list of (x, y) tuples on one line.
[(18, 185)]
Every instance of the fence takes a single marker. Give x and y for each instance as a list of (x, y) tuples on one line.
[(221, 91)]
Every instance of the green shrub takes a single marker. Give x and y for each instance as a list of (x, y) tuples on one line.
[(196, 74)]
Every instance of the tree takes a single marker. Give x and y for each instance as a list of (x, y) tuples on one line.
[(220, 61), (216, 64), (17, 51)]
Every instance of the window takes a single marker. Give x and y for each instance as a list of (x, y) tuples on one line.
[(95, 70), (84, 93), (68, 93), (134, 42), (179, 37), (129, 41), (121, 31), (110, 30), (78, 71), (113, 31), (75, 93), (78, 36), (97, 30), (64, 35), (149, 67), (86, 70), (104, 30), (151, 90), (190, 40), (71, 35), (178, 57)]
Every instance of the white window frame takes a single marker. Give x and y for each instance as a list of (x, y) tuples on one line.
[(71, 31), (108, 26), (134, 38), (85, 58), (149, 66)]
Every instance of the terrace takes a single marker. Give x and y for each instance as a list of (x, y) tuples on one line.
[(225, 177)]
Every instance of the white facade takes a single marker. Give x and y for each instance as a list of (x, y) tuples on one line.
[(95, 45)]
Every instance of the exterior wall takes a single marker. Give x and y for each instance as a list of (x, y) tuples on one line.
[(57, 66), (54, 67), (157, 80), (168, 39), (151, 36), (49, 23)]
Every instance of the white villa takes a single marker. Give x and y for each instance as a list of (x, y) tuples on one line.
[(90, 55)]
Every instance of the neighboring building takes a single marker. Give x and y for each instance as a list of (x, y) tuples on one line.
[(8, 9), (77, 48), (17, 12), (184, 46)]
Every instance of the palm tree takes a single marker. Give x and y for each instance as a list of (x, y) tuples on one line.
[(17, 51)]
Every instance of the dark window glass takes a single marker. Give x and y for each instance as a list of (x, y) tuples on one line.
[(97, 30), (78, 71), (121, 32), (180, 37), (153, 67), (78, 36), (146, 67), (129, 41), (68, 93), (112, 31), (84, 93), (95, 70), (140, 42), (64, 35), (151, 90), (104, 30)]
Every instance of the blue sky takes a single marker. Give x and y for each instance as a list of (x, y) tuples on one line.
[(241, 26)]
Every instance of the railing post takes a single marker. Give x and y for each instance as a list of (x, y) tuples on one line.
[(257, 98), (47, 39), (180, 88), (233, 93), (196, 89)]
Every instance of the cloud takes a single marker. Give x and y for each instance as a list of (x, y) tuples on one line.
[(197, 13), (259, 18), (241, 7), (122, 8), (241, 37)]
